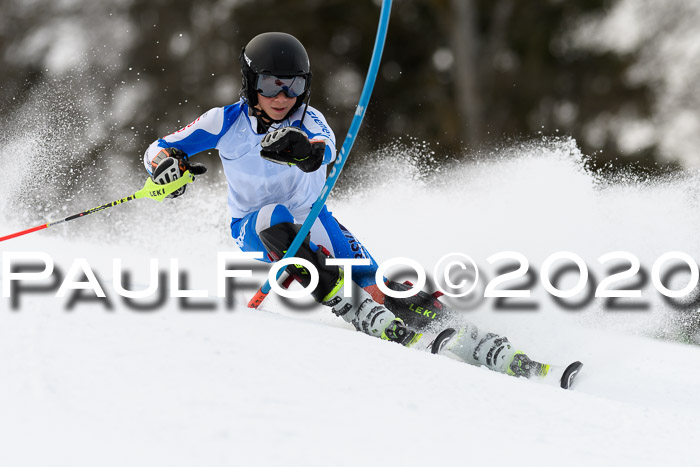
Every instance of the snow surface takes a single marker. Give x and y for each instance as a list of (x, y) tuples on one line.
[(92, 385)]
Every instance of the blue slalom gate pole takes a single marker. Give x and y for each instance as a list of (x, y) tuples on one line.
[(344, 150)]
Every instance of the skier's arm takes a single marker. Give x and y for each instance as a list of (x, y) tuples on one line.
[(200, 135), (317, 129)]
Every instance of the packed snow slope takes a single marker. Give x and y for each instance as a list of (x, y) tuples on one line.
[(86, 381)]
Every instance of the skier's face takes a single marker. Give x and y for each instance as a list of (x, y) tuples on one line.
[(276, 107)]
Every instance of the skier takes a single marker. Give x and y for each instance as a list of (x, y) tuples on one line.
[(274, 148)]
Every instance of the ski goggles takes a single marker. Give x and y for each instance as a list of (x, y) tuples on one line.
[(270, 86)]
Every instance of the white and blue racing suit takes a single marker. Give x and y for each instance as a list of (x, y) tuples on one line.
[(262, 193)]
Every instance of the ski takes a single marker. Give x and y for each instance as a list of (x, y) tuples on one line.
[(570, 374)]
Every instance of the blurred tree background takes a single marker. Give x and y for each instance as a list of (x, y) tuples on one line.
[(113, 75)]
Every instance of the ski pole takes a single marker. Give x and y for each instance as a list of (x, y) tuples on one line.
[(344, 150), (150, 190)]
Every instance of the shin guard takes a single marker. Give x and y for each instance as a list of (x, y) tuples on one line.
[(277, 240)]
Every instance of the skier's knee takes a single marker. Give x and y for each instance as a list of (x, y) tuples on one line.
[(272, 214), (277, 240)]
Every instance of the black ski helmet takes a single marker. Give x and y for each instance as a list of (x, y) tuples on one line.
[(273, 53)]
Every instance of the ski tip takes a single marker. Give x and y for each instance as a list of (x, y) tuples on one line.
[(570, 373), (441, 340)]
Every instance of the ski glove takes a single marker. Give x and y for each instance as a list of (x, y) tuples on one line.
[(169, 165), (291, 146)]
